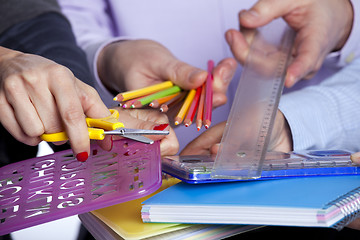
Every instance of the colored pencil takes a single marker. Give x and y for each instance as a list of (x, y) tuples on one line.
[(143, 91), (171, 103), (184, 108), (193, 107), (128, 103), (200, 112), (148, 99), (157, 102), (208, 96)]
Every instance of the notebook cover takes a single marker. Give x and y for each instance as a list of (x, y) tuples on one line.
[(299, 193), (55, 186), (125, 218)]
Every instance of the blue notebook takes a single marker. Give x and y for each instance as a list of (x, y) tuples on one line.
[(312, 201)]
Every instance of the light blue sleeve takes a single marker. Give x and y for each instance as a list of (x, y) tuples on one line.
[(326, 116)]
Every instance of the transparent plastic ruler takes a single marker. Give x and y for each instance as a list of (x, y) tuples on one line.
[(251, 119)]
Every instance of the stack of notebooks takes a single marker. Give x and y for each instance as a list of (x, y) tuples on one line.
[(123, 221), (331, 201)]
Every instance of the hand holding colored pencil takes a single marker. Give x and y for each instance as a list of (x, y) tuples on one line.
[(165, 95)]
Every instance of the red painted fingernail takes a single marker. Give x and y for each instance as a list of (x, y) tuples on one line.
[(82, 157), (161, 126)]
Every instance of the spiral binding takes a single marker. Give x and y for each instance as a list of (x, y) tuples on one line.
[(349, 205)]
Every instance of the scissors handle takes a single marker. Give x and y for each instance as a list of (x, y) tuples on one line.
[(107, 123), (94, 133)]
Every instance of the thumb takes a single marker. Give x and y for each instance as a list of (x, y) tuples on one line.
[(263, 12), (185, 76)]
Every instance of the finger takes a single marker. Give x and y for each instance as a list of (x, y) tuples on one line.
[(306, 60), (148, 119), (238, 45), (185, 75), (355, 157), (203, 143), (91, 102), (71, 112), (223, 74), (264, 11), (25, 113), (9, 122)]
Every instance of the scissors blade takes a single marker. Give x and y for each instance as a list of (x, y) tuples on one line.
[(140, 138), (130, 131)]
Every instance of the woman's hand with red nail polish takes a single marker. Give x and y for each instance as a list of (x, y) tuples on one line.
[(147, 119)]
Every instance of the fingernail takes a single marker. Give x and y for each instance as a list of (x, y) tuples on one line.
[(229, 37), (111, 143), (82, 157), (161, 126)]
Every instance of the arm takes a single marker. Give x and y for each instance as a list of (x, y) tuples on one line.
[(120, 65), (37, 90), (326, 116)]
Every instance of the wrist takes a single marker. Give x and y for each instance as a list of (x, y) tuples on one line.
[(347, 27), (6, 54)]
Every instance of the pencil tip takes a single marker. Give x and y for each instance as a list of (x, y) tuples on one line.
[(151, 104), (115, 98), (206, 126), (132, 106), (161, 110), (176, 123), (186, 124), (198, 128), (124, 106)]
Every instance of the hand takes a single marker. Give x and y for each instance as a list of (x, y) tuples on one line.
[(133, 64), (322, 26), (148, 119), (208, 142), (39, 96)]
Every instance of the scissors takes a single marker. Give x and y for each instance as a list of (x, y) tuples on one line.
[(99, 127)]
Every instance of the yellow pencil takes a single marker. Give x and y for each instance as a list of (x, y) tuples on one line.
[(142, 91), (184, 108)]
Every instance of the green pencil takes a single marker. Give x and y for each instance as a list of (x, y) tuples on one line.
[(148, 99)]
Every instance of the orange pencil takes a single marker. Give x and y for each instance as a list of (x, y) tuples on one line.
[(199, 115), (184, 108), (171, 103), (157, 102), (193, 107), (208, 96)]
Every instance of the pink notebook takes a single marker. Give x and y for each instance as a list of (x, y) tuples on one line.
[(47, 188)]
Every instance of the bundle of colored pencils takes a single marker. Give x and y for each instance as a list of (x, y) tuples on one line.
[(165, 95)]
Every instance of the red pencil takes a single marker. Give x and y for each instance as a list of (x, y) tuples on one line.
[(200, 112), (193, 107), (208, 96)]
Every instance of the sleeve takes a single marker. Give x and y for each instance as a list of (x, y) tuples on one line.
[(326, 116), (16, 11), (49, 35), (94, 29)]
